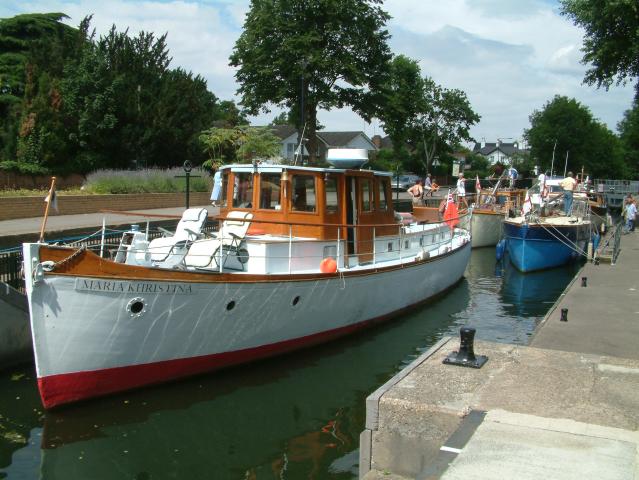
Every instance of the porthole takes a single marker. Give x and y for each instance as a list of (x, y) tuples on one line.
[(230, 306), (136, 307), (296, 300)]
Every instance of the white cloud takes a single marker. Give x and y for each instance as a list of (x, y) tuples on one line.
[(509, 57)]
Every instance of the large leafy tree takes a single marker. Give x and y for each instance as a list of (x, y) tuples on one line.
[(629, 134), (611, 44), (333, 53), (444, 123), (568, 128), (33, 51), (404, 100)]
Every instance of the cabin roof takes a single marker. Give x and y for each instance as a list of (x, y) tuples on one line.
[(270, 168)]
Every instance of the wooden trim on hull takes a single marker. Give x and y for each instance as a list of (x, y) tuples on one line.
[(58, 390), (88, 264)]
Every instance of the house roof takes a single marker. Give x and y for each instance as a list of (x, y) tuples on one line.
[(283, 131), (488, 148), (330, 139)]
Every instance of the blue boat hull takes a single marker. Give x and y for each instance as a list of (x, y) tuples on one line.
[(533, 247)]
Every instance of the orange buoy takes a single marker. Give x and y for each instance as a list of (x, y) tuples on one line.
[(328, 265)]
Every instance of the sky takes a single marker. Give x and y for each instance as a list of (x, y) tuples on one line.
[(510, 56)]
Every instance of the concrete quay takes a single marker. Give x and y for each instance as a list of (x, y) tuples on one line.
[(564, 407)]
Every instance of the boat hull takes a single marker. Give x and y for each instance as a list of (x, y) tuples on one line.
[(96, 335), (15, 332), (486, 228), (534, 247)]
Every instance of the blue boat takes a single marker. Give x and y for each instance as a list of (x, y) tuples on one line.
[(545, 242)]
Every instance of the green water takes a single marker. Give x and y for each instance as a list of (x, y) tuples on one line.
[(294, 417)]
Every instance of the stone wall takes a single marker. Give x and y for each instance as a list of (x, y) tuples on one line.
[(28, 207)]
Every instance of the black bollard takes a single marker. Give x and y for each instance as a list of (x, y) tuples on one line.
[(466, 357), (564, 315), (597, 261), (584, 281)]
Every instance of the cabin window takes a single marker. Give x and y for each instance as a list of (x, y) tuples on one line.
[(225, 188), (330, 191), (367, 195), (304, 198), (270, 191), (383, 201), (243, 190)]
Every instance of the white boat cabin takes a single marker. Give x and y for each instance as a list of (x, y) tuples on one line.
[(279, 219)]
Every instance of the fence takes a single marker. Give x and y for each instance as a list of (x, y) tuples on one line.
[(11, 259)]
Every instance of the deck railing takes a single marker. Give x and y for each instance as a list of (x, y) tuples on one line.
[(107, 242)]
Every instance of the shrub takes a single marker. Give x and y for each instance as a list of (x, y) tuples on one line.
[(152, 180)]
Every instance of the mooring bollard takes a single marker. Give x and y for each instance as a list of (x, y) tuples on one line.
[(584, 281), (466, 357), (564, 315)]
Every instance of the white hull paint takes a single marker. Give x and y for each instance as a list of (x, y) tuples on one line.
[(486, 229), (83, 328)]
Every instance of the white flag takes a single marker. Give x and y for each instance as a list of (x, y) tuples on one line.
[(52, 199), (527, 207)]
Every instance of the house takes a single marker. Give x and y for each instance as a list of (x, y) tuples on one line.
[(499, 152), (289, 138)]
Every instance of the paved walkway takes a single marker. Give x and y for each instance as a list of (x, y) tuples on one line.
[(14, 232), (565, 407)]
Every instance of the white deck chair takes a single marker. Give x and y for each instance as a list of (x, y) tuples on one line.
[(169, 251), (206, 253)]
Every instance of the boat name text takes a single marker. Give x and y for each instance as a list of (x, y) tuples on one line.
[(119, 286)]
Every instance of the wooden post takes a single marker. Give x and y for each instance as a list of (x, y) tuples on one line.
[(46, 210)]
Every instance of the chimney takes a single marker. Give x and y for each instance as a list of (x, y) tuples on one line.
[(483, 142), (377, 141)]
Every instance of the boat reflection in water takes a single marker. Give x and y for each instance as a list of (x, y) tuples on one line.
[(521, 293), (298, 416)]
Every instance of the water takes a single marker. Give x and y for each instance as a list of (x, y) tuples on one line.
[(294, 417)]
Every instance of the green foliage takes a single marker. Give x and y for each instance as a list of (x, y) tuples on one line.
[(146, 181), (418, 112), (629, 136), (588, 142), (404, 100), (72, 103), (611, 43), (338, 48), (479, 165), (240, 143)]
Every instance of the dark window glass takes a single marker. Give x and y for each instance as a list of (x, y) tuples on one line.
[(270, 191), (243, 190), (330, 188), (304, 199), (383, 201), (367, 195)]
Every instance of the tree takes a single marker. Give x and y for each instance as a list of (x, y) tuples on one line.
[(585, 142), (33, 51), (243, 143), (330, 53), (628, 129), (404, 100), (444, 123), (611, 43)]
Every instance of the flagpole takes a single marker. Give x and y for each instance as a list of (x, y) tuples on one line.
[(46, 210)]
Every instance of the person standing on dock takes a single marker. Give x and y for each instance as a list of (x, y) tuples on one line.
[(630, 214), (568, 184)]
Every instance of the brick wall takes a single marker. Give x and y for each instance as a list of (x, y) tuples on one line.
[(12, 181), (28, 207)]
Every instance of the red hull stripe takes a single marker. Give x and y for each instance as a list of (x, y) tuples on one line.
[(71, 387)]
